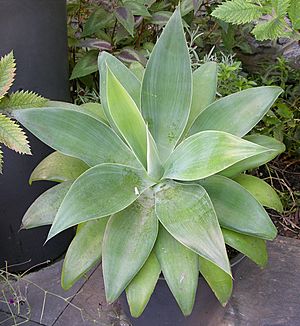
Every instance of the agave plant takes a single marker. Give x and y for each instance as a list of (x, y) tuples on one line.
[(11, 134), (153, 177)]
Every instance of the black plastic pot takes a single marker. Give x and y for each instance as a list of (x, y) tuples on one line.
[(163, 310), (36, 31)]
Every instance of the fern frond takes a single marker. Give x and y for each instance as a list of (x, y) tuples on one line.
[(12, 136), (1, 160), (294, 13), (22, 99), (7, 73), (281, 7), (238, 12), (270, 30)]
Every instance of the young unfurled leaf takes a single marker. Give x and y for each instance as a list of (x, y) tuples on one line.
[(186, 211), (180, 269), (129, 238), (84, 252), (59, 168)]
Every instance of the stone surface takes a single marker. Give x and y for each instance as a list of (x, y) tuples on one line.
[(261, 297)]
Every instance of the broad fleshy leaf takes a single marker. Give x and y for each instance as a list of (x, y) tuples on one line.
[(154, 167), (84, 252), (127, 117), (204, 90), (129, 238), (128, 80), (186, 211), (44, 209), (238, 113), (180, 269), (237, 209), (218, 280), (102, 190), (260, 190), (139, 291), (167, 87), (58, 167), (252, 247), (275, 148), (95, 110), (138, 70), (207, 153), (76, 134)]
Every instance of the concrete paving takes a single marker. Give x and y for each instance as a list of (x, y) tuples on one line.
[(261, 297)]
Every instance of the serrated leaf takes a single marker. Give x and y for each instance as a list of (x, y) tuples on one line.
[(12, 136), (186, 212), (164, 98), (44, 209), (85, 65), (22, 99), (96, 193), (260, 190), (237, 209), (84, 252), (7, 73), (76, 134), (127, 117), (218, 280), (125, 17), (237, 113), (294, 15), (281, 7), (139, 290), (129, 238), (180, 269), (204, 90), (128, 80), (252, 247), (237, 12), (270, 30), (1, 160), (58, 167), (275, 148), (207, 153)]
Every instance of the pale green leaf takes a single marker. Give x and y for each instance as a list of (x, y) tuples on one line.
[(238, 12), (84, 252), (204, 90), (76, 134), (167, 87), (137, 69), (275, 148), (102, 190), (12, 136), (58, 167), (207, 153), (180, 269), (294, 15), (139, 291), (7, 73), (260, 190), (252, 247), (128, 80), (187, 213), (95, 109), (237, 209), (238, 113), (218, 280), (44, 209), (127, 117), (129, 238)]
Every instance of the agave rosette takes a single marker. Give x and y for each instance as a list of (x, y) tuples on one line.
[(152, 176)]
